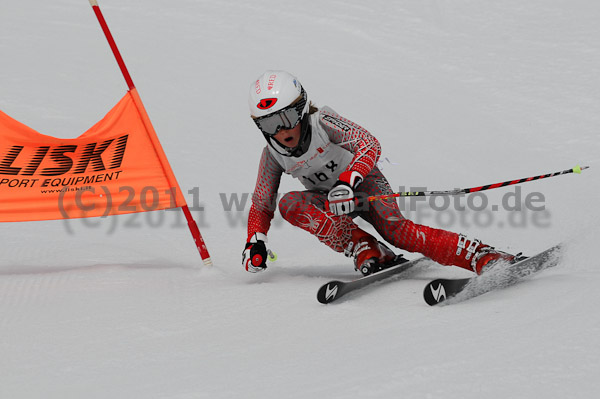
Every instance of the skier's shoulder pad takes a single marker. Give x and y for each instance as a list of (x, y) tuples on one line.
[(328, 118)]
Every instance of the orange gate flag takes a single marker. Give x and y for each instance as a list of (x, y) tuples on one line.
[(116, 167)]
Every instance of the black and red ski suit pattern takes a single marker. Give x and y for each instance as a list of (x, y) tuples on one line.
[(306, 209)]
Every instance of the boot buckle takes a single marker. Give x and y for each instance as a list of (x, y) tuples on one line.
[(472, 248), (462, 243)]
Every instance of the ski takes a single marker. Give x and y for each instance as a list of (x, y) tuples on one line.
[(500, 276), (334, 290)]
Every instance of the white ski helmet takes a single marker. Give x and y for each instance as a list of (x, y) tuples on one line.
[(278, 101)]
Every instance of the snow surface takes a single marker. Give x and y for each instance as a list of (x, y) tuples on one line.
[(460, 93)]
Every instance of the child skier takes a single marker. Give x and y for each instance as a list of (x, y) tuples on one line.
[(335, 159)]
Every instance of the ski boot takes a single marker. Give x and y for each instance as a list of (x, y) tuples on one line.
[(483, 256), (370, 255), (487, 257)]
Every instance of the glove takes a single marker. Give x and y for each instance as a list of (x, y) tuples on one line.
[(341, 196), (254, 257)]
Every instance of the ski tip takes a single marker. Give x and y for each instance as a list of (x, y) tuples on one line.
[(434, 292), (442, 289), (329, 292)]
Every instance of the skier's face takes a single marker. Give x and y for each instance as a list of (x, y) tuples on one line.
[(289, 137)]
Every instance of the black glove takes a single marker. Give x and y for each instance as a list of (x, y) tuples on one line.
[(254, 257)]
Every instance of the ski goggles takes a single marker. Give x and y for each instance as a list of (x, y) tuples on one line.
[(286, 118)]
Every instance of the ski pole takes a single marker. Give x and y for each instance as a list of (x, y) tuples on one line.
[(457, 191)]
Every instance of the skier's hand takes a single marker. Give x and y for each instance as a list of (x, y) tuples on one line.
[(341, 196), (254, 257)]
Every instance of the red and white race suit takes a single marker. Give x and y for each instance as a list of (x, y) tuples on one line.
[(338, 145)]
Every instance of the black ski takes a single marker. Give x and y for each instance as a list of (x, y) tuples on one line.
[(457, 290), (334, 290)]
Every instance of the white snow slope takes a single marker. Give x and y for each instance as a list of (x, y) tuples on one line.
[(460, 93)]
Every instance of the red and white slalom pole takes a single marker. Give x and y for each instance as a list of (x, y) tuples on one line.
[(193, 226)]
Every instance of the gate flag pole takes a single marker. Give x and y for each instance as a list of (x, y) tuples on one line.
[(200, 244)]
